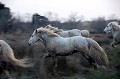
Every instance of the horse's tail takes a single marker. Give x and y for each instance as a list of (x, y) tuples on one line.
[(25, 62), (101, 56), (8, 56)]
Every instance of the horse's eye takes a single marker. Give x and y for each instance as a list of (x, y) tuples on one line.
[(38, 39), (111, 24)]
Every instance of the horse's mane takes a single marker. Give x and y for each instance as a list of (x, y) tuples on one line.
[(48, 31), (55, 29), (51, 27), (115, 23)]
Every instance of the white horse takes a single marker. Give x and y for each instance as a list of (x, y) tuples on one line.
[(69, 33), (115, 29), (6, 54), (60, 46)]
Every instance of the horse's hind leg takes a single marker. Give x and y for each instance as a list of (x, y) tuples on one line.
[(91, 60)]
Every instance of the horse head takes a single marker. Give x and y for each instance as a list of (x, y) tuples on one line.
[(34, 38), (110, 26), (39, 34)]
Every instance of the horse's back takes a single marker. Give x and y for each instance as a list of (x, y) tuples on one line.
[(80, 40), (66, 41), (70, 33), (62, 45)]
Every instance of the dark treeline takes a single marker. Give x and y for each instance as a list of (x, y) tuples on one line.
[(8, 24)]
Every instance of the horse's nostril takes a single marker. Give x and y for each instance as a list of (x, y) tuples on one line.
[(29, 44), (104, 32)]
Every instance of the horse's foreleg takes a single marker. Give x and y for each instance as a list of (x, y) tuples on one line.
[(55, 65), (42, 74), (113, 44), (44, 55), (0, 50)]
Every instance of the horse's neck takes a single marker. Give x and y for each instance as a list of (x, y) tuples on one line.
[(57, 31), (115, 31), (46, 39)]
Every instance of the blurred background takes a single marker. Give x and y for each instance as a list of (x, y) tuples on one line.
[(16, 27)]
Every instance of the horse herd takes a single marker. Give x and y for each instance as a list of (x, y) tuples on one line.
[(60, 42)]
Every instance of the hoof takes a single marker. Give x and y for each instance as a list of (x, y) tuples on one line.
[(113, 46), (96, 66)]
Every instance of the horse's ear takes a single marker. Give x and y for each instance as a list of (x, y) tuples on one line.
[(46, 26), (110, 24)]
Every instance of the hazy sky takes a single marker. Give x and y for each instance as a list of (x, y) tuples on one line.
[(63, 8)]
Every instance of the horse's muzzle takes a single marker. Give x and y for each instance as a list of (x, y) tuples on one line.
[(29, 44), (104, 32)]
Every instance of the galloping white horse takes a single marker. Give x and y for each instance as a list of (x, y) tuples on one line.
[(69, 33), (60, 46), (115, 29), (6, 54)]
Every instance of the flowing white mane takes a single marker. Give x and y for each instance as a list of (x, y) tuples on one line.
[(55, 29), (48, 31), (51, 27), (115, 23)]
